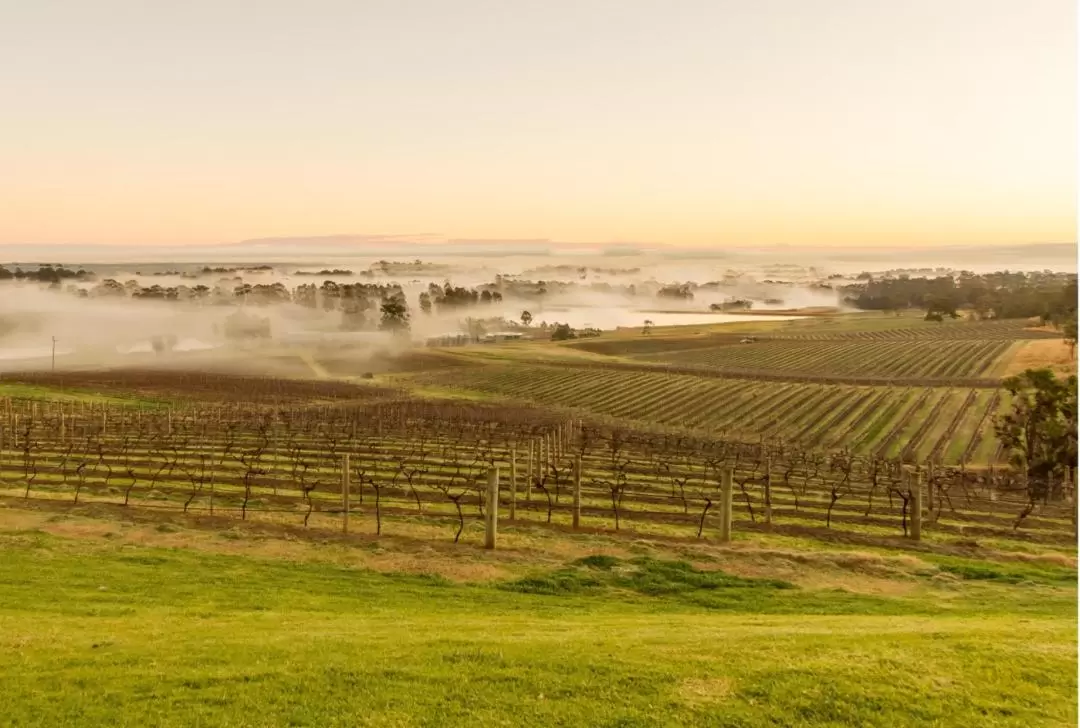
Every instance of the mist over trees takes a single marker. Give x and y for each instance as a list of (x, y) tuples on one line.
[(357, 306), (1003, 295), (44, 274)]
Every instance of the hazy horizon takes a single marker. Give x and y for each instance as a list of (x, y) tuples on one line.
[(709, 123)]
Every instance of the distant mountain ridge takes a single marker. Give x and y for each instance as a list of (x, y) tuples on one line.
[(327, 248)]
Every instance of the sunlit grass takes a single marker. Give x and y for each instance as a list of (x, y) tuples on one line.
[(111, 632)]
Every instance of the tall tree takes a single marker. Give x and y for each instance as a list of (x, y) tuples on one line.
[(395, 314), (1040, 429)]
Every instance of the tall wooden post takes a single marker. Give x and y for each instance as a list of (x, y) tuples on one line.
[(768, 491), (1070, 488), (727, 483), (577, 492), (916, 490), (345, 493), (513, 483), (491, 514), (930, 486), (529, 475)]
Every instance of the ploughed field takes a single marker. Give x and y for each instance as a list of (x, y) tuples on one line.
[(152, 386)]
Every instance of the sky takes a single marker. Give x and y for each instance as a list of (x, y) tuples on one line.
[(686, 122)]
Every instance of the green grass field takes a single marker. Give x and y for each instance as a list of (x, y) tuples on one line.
[(124, 623)]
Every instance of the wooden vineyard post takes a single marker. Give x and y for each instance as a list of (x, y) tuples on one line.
[(491, 515), (768, 491), (529, 475), (727, 481), (930, 485), (1070, 488), (513, 483), (168, 428), (577, 492), (916, 490), (62, 425), (345, 493)]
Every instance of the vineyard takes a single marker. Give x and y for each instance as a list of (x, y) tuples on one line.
[(948, 425), (386, 460), (869, 328), (919, 359), (855, 329)]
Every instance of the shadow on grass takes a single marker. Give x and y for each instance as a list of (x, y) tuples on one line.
[(646, 579)]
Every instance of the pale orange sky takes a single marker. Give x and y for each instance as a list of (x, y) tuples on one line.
[(698, 122)]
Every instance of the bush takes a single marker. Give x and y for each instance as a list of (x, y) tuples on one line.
[(563, 332)]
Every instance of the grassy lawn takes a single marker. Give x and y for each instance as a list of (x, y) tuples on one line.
[(70, 394), (98, 627)]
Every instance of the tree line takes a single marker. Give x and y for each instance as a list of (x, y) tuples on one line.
[(1003, 295)]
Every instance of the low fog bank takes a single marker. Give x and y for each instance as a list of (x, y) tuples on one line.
[(109, 332), (515, 256), (121, 313)]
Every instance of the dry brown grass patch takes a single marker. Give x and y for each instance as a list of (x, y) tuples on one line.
[(1038, 353)]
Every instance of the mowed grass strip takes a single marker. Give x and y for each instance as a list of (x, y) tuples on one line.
[(124, 635)]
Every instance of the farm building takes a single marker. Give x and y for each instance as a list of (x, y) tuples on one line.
[(503, 336)]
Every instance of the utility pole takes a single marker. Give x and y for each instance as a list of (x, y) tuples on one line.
[(54, 353)]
